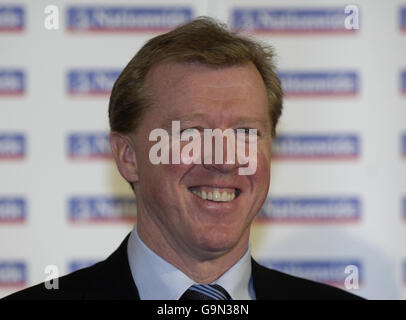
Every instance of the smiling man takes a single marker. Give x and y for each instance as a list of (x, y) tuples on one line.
[(191, 240), (203, 238)]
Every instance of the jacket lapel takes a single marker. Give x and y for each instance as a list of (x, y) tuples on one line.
[(113, 279), (267, 284)]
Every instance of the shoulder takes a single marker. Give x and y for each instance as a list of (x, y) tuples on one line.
[(72, 286), (109, 279), (272, 284)]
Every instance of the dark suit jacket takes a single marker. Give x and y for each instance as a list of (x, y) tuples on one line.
[(112, 279)]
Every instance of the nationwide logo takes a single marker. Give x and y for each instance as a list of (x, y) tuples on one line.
[(101, 209), (78, 264), (122, 19), (403, 19), (12, 82), (290, 20), (329, 272), (12, 146), (315, 146), (88, 146), (404, 272), (404, 208), (12, 273), (310, 209), (314, 84), (12, 209), (11, 18), (403, 82), (91, 82)]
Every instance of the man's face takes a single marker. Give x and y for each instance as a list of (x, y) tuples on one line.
[(169, 196)]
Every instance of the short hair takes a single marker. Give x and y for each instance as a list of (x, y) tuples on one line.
[(202, 40)]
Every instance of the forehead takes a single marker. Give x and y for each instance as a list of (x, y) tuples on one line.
[(178, 89)]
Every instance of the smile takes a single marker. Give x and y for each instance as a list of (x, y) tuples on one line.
[(215, 194)]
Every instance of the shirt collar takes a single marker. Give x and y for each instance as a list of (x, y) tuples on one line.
[(157, 279)]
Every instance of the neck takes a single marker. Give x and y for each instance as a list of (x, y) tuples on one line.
[(200, 266)]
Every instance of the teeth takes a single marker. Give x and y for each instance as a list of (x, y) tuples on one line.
[(215, 195)]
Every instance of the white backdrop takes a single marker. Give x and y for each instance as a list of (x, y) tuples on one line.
[(338, 182)]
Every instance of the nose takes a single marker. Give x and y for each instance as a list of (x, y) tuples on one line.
[(220, 155), (223, 168)]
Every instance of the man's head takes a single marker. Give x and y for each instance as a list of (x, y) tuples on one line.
[(206, 77), (201, 41)]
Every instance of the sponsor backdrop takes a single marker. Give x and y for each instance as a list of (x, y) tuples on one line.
[(336, 209)]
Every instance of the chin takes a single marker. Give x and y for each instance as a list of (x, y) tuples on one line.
[(218, 239)]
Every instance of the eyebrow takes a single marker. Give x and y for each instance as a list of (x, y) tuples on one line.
[(191, 116), (199, 115), (262, 121), (185, 118)]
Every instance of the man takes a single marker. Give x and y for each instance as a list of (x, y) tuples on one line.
[(193, 219)]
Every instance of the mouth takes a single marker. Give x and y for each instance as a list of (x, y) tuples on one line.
[(215, 194)]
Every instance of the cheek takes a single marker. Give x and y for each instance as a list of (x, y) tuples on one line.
[(261, 179), (163, 178), (159, 187), (160, 178)]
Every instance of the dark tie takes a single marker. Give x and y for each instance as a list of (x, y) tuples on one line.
[(205, 292)]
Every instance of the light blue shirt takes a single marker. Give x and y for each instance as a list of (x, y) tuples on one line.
[(157, 279)]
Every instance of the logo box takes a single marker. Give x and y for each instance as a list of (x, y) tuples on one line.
[(12, 274), (402, 20), (124, 19), (77, 264), (311, 209), (290, 20), (12, 145), (331, 272), (404, 208), (101, 208), (91, 82), (316, 146), (319, 83), (12, 209), (404, 272), (88, 145), (12, 82), (12, 18)]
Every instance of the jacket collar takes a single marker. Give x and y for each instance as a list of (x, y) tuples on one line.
[(114, 279)]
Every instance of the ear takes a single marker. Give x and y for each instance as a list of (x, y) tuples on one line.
[(124, 155)]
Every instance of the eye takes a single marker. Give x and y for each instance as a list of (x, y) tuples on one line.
[(194, 130), (249, 131)]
